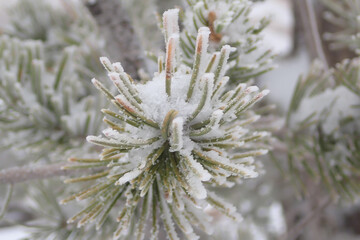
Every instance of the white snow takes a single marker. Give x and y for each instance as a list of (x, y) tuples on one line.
[(278, 36), (14, 233), (276, 222), (340, 102), (202, 44), (156, 103), (129, 176), (170, 20)]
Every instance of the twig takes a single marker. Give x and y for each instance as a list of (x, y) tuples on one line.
[(26, 173), (295, 231), (6, 200), (311, 29), (122, 43)]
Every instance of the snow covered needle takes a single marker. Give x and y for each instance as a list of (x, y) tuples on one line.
[(169, 139), (230, 22)]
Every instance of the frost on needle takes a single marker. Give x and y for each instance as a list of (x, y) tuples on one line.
[(168, 140)]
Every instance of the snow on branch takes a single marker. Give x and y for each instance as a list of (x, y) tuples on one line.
[(170, 138)]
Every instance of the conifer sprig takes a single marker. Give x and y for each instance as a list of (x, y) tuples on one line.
[(69, 24), (168, 140), (328, 107), (229, 23), (42, 108)]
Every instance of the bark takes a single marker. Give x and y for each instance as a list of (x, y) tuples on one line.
[(122, 43), (21, 174)]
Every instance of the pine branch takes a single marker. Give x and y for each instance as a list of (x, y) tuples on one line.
[(182, 137), (251, 58), (122, 42), (21, 174)]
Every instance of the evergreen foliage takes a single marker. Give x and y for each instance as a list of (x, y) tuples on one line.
[(344, 15), (51, 106), (173, 154), (68, 24), (170, 138), (229, 23), (323, 128)]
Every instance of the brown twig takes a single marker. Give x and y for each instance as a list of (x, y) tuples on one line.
[(122, 44), (21, 174), (311, 29)]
